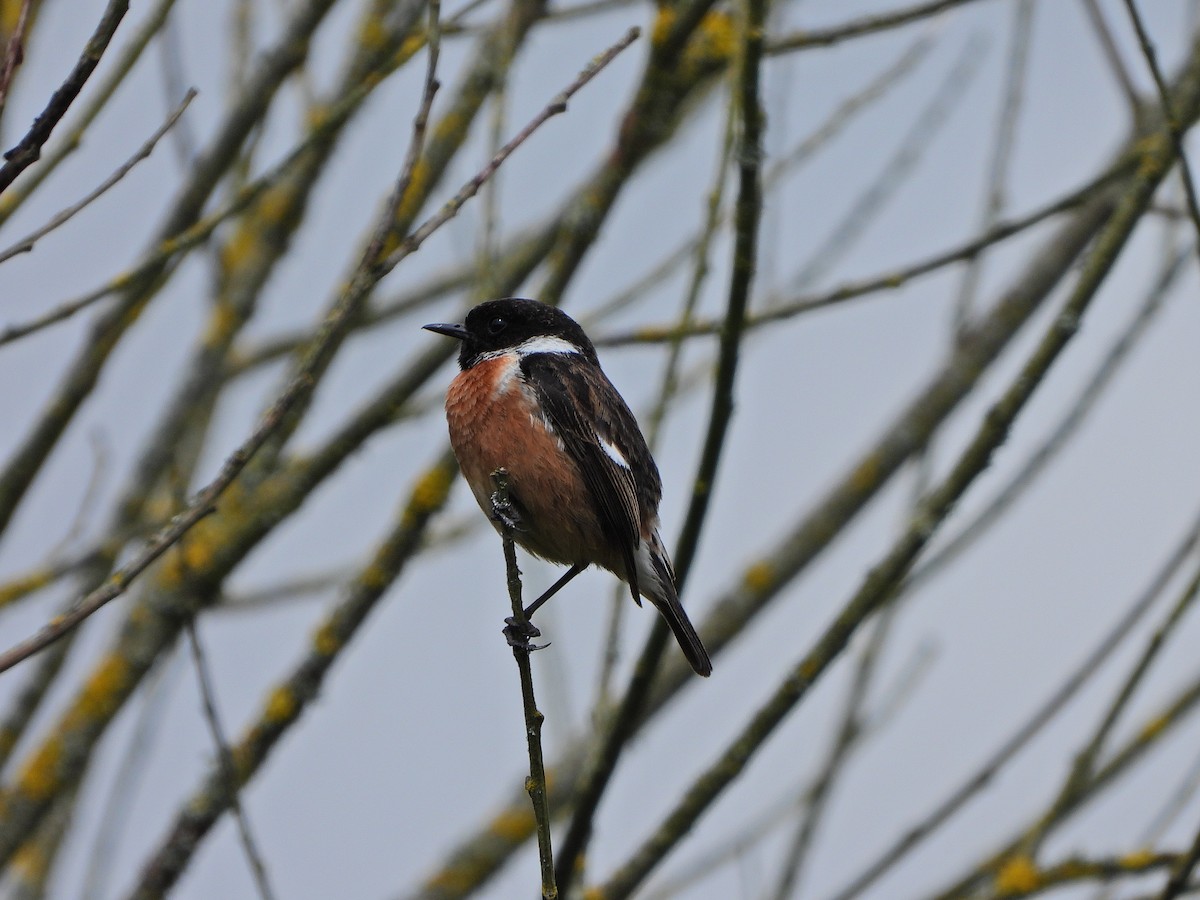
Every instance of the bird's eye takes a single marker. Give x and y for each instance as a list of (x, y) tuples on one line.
[(496, 325)]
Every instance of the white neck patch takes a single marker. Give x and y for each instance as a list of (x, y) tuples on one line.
[(545, 344)]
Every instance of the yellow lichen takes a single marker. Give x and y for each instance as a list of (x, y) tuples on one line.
[(17, 589), (662, 24), (40, 777), (221, 323), (325, 641), (513, 825), (715, 41), (10, 16), (373, 34), (1154, 727), (409, 48), (454, 881), (1019, 875), (712, 44), (374, 577), (101, 695), (414, 194), (809, 668), (30, 864), (281, 705), (431, 489), (1153, 151), (866, 475), (759, 576), (238, 251), (275, 204), (190, 556), (316, 115), (1137, 860)]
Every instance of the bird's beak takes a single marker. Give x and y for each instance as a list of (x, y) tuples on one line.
[(459, 332)]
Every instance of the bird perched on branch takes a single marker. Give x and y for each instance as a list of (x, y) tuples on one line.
[(583, 489)]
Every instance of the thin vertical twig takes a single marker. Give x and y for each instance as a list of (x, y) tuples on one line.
[(1054, 704), (1112, 54), (880, 584), (670, 383), (1083, 769), (747, 216), (1048, 450), (535, 784), (908, 153), (1002, 149), (1169, 115), (117, 806), (1178, 882), (226, 764)]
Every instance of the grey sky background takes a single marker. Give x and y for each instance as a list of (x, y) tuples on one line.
[(417, 737)]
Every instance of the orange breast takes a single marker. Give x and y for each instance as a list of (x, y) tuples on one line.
[(494, 424)]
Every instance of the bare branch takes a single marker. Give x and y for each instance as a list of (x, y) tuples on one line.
[(26, 243), (860, 27), (226, 764), (1174, 126), (29, 148), (14, 53)]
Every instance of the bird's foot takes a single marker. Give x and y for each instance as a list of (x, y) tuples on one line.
[(505, 512), (518, 634)]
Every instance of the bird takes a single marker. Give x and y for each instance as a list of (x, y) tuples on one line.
[(582, 487)]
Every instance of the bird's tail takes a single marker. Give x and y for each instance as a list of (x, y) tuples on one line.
[(660, 590)]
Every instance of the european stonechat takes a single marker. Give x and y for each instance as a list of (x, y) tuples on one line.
[(531, 399)]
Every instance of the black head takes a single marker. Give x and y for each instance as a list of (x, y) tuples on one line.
[(499, 325)]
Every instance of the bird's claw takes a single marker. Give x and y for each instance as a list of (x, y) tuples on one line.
[(505, 512), (518, 634)]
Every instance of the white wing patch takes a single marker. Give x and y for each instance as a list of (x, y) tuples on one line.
[(545, 344), (612, 452)]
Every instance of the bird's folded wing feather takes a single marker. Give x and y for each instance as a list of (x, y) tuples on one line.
[(601, 435)]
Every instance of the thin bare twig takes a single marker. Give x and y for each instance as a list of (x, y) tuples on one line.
[(1090, 393), (26, 243), (880, 584), (14, 54), (1112, 54), (1006, 130), (875, 196), (983, 776), (1169, 115), (535, 784), (101, 92), (745, 253), (226, 764), (292, 696), (29, 148), (117, 806), (825, 37), (888, 281), (301, 385), (555, 107)]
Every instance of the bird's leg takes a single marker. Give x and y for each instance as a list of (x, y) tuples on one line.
[(554, 589), (521, 632)]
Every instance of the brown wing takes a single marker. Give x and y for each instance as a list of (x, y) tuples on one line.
[(601, 435)]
